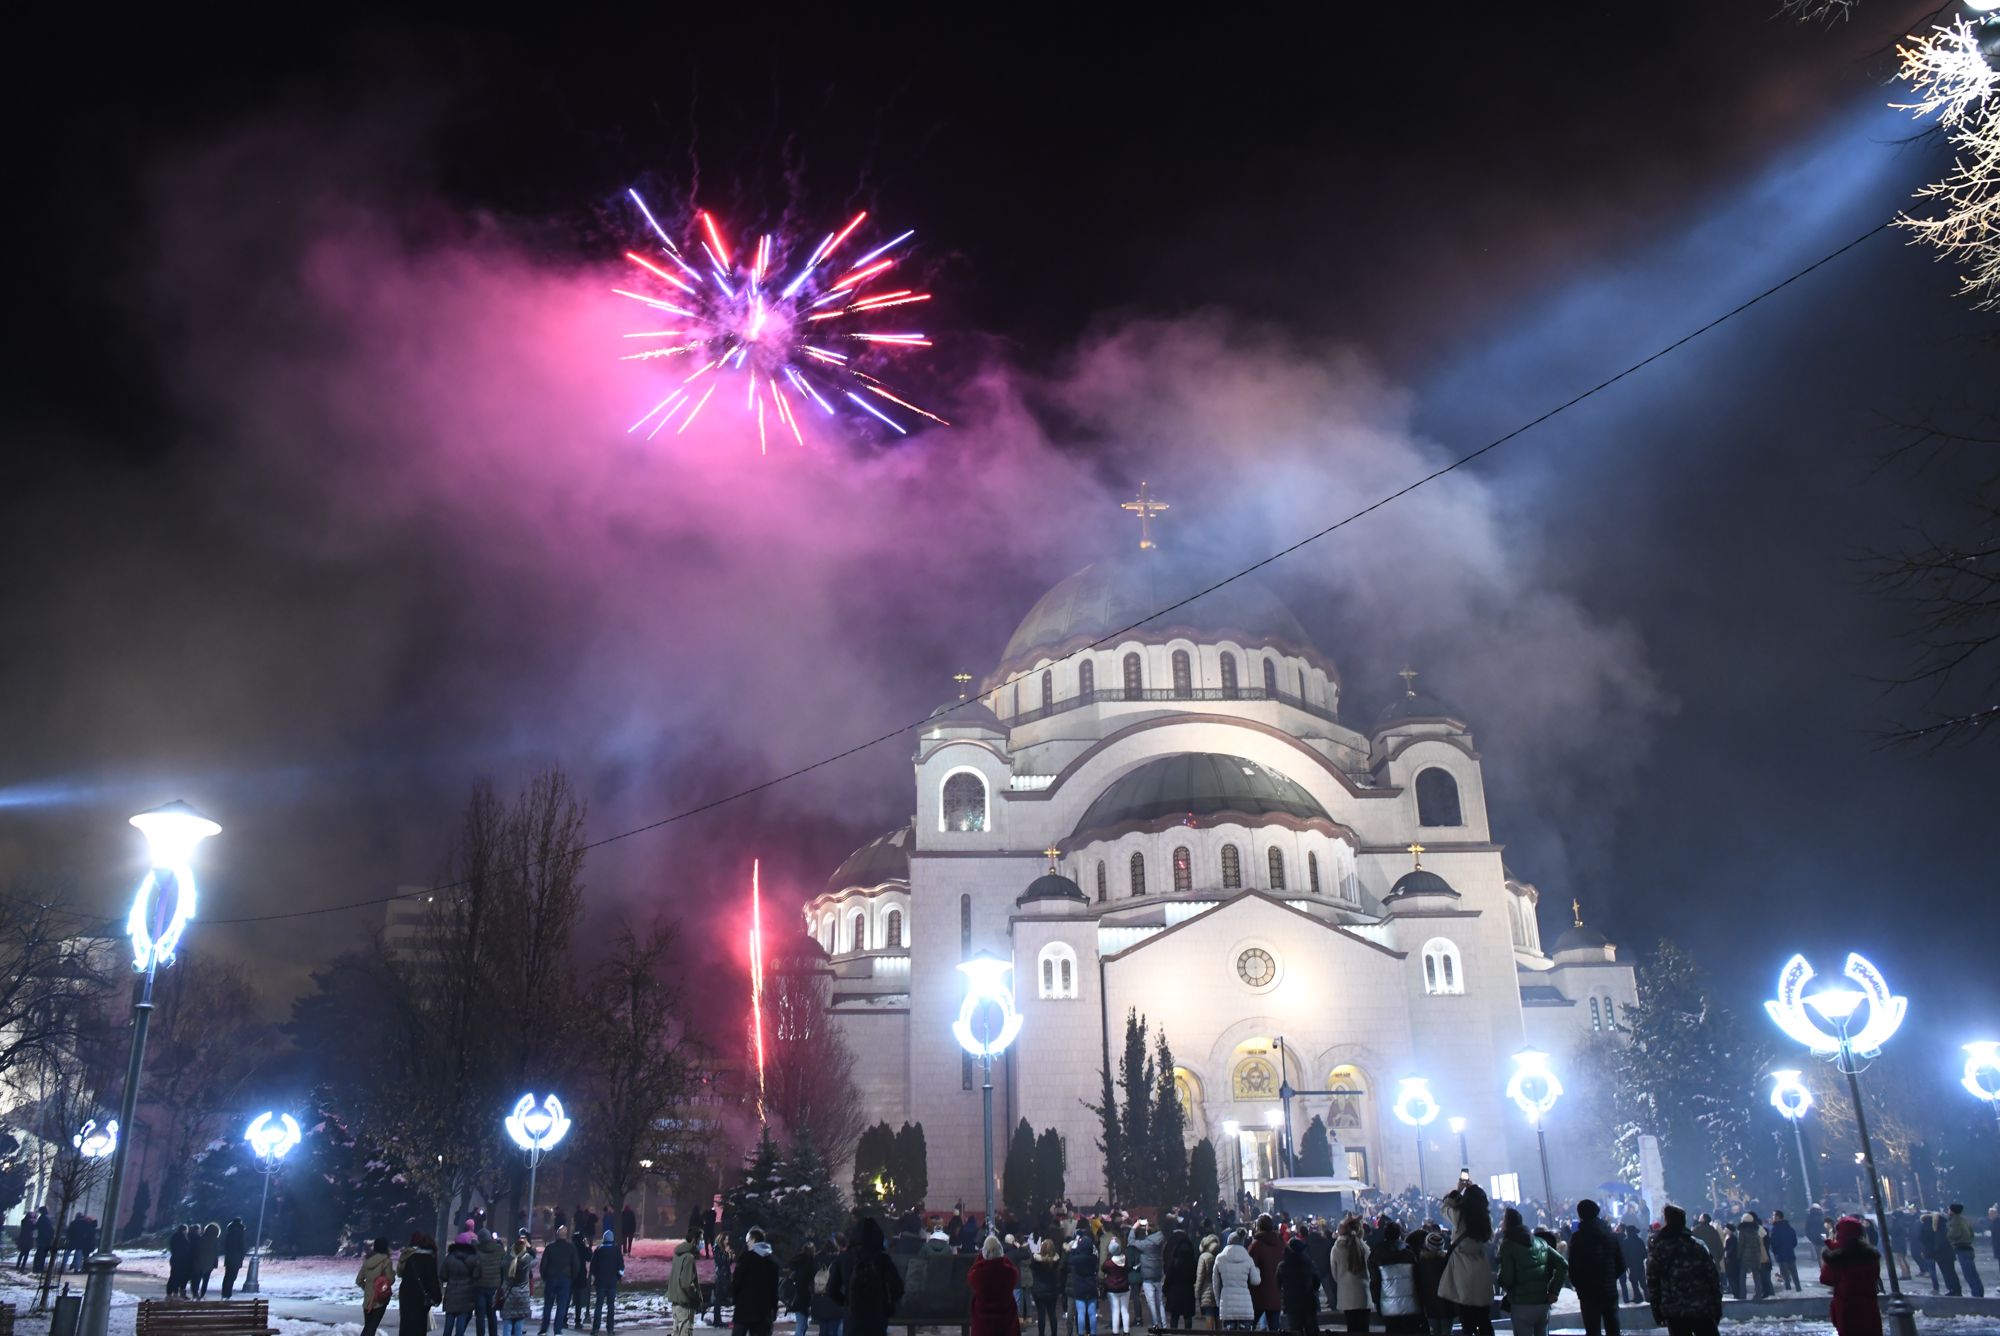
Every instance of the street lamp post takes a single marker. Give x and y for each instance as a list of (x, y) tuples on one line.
[(96, 1143), (1417, 1109), (1836, 1004), (272, 1137), (161, 909), (988, 999), (1534, 1089), (536, 1128), (1464, 1156), (1790, 1098)]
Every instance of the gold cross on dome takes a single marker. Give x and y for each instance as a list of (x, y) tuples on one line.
[(1409, 676), (961, 677), (1576, 911), (1052, 851), (1416, 857), (1145, 507)]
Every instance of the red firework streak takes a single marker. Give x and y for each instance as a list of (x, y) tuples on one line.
[(757, 980), (731, 315)]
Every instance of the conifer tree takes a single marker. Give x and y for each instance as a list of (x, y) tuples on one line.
[(1315, 1151), (1170, 1165), (1017, 1176), (911, 1166), (1204, 1186), (1051, 1169), (1135, 1082)]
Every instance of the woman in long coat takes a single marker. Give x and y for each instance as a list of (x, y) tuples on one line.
[(1178, 1267), (1235, 1274), (419, 1291), (1852, 1270), (1468, 1276), (377, 1266), (993, 1280)]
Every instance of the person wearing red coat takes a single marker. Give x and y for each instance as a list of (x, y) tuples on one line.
[(993, 1280), (1852, 1270), (1267, 1250)]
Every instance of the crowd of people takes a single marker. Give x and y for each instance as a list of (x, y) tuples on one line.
[(485, 1286)]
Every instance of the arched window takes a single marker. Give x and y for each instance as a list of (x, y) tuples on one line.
[(1183, 675), (1228, 675), (1232, 868), (1596, 1022), (1437, 799), (1086, 679), (1048, 688), (1138, 874), (1312, 872), (1277, 862), (1134, 683), (1443, 974), (892, 929), (857, 932), (1183, 871), (1344, 1113), (1271, 678), (964, 802), (1058, 970), (1101, 897)]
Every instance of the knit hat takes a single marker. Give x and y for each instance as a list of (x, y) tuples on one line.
[(467, 1236), (1847, 1231), (610, 1237)]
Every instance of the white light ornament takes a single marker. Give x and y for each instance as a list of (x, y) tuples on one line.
[(537, 1127), (1415, 1106), (94, 1142), (272, 1136), (1533, 1087), (165, 901), (986, 987), (1789, 1095), (1982, 1071), (1836, 1003)]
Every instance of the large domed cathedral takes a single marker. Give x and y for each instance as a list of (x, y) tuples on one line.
[(1182, 823)]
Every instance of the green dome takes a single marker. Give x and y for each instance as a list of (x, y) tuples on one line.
[(1198, 784)]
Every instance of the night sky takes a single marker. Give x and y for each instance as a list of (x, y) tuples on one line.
[(318, 503)]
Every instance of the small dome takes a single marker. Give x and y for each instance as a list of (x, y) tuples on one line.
[(1410, 704), (1110, 596), (1581, 938), (1420, 881), (1198, 784), (1051, 886), (967, 714), (884, 859)]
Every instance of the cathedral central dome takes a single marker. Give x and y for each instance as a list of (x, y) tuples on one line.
[(1108, 596), (1197, 784)]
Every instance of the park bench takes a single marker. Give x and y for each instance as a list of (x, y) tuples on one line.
[(205, 1317)]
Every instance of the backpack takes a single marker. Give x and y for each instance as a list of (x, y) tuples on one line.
[(867, 1293), (378, 1292)]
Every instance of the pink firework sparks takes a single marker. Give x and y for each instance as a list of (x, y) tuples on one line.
[(745, 311), (757, 980)]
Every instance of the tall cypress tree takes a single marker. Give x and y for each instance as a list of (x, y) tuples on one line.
[(1135, 1081), (1315, 1151), (1051, 1169), (1170, 1165), (1110, 1139), (912, 1165), (1204, 1180), (1017, 1177)]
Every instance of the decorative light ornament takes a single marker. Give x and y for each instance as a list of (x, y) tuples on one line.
[(1457, 1125), (1789, 1095), (273, 1136), (1982, 1071), (1836, 1004), (537, 1127), (94, 1142), (1415, 1105), (986, 986), (1533, 1087), (166, 898)]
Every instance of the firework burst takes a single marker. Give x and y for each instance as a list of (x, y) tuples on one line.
[(785, 335)]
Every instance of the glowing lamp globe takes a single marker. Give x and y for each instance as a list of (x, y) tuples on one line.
[(1456, 1124), (1836, 1004), (986, 989), (157, 921), (1982, 1064), (1274, 1118), (537, 1127), (1415, 1106), (94, 1142), (1789, 1095), (1533, 1087), (1231, 1128), (272, 1136)]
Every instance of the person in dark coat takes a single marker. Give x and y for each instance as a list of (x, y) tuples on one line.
[(756, 1284), (559, 1267), (1082, 1264), (607, 1267), (1180, 1263), (493, 1265), (419, 1291), (1432, 1259), (178, 1257), (1682, 1285), (866, 1283), (992, 1281), (628, 1229), (1595, 1263), (1045, 1286), (1852, 1270), (721, 1289), (800, 1281), (45, 1240), (1783, 1241), (235, 1247), (1633, 1245), (458, 1275), (24, 1239), (207, 1247), (1732, 1260), (1298, 1290)]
